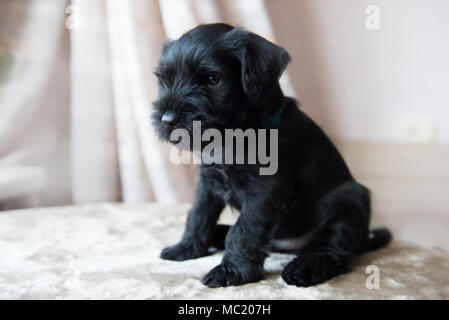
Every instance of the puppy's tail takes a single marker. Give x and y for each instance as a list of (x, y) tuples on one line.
[(378, 238), (218, 240)]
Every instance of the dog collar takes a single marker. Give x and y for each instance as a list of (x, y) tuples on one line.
[(276, 117)]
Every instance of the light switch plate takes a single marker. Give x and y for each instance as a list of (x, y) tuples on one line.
[(417, 129)]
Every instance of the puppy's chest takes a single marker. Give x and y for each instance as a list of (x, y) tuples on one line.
[(228, 183)]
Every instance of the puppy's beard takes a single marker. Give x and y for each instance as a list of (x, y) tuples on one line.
[(163, 132)]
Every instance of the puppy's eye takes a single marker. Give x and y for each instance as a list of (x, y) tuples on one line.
[(213, 80)]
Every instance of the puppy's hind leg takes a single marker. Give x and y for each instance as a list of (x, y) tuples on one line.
[(345, 214)]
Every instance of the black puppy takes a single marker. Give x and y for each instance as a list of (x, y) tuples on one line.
[(227, 77)]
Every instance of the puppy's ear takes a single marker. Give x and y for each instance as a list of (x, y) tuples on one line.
[(262, 62)]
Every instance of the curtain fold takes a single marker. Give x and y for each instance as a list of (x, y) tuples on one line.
[(94, 156), (34, 103), (134, 177)]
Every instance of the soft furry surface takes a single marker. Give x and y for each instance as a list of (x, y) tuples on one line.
[(111, 251)]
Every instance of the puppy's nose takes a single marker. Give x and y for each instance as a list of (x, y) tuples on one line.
[(168, 118)]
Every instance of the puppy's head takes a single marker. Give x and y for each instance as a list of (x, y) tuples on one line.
[(216, 74)]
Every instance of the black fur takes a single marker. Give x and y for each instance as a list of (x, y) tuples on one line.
[(312, 189)]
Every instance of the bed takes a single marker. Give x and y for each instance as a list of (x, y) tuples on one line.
[(111, 251)]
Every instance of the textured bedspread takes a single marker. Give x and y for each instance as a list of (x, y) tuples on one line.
[(111, 251)]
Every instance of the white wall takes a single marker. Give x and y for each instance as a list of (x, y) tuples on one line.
[(370, 84)]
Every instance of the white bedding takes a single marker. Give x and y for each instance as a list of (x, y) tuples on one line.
[(111, 251)]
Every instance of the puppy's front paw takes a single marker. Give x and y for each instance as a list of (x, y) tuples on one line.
[(224, 276), (184, 251)]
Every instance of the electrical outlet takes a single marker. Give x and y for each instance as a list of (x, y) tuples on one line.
[(417, 129)]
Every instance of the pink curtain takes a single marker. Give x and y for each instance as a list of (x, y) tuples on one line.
[(77, 107), (76, 85)]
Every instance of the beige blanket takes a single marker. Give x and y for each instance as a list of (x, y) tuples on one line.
[(111, 251)]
